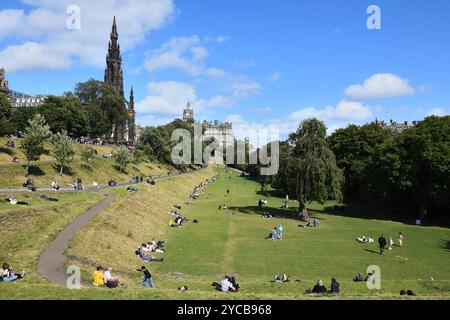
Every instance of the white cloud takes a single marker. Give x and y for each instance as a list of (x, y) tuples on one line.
[(345, 110), (215, 73), (32, 55), (222, 39), (380, 85), (44, 24), (437, 112), (167, 98), (274, 77)]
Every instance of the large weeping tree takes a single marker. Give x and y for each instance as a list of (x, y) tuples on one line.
[(308, 169)]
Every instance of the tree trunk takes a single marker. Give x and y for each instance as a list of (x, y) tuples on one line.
[(27, 168), (302, 209), (61, 170)]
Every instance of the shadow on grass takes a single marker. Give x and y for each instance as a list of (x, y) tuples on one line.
[(8, 151), (124, 171), (87, 168), (35, 171), (372, 251), (444, 244), (367, 211), (67, 170), (275, 212)]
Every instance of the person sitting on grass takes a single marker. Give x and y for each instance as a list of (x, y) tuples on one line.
[(55, 186), (112, 183), (335, 288), (99, 280), (110, 281), (319, 288), (15, 160), (7, 274), (266, 215), (147, 258), (96, 185), (274, 234), (358, 278), (147, 277)]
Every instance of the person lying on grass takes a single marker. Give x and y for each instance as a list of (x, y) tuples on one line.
[(132, 189), (228, 284), (319, 288), (153, 246), (47, 198), (15, 202), (284, 278), (7, 274), (365, 239), (147, 258)]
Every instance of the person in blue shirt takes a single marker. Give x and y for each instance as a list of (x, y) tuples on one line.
[(280, 231)]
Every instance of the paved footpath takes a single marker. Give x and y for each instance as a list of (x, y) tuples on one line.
[(52, 260)]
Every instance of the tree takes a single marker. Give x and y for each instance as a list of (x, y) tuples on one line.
[(63, 149), (107, 109), (425, 157), (5, 114), (123, 157), (33, 139), (87, 154), (66, 113), (310, 166)]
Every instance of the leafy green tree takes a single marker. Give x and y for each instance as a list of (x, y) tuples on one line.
[(107, 110), (123, 158), (5, 115), (87, 154), (355, 149), (63, 150), (425, 158), (65, 113), (310, 166), (33, 139)]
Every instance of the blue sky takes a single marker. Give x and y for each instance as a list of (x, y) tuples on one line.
[(255, 63)]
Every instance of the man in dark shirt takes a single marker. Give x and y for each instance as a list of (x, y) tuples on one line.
[(382, 242), (147, 277)]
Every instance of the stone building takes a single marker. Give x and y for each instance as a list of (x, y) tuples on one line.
[(396, 127), (19, 99), (220, 132)]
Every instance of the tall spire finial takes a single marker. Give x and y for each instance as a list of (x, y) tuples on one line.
[(114, 33)]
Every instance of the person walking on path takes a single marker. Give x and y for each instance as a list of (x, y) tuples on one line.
[(382, 242), (147, 277)]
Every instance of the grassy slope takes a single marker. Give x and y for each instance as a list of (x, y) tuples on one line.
[(27, 230), (99, 169), (230, 243)]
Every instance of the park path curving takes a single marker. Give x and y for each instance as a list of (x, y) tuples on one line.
[(51, 263)]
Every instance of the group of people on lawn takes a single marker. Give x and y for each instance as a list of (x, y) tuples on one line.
[(382, 242)]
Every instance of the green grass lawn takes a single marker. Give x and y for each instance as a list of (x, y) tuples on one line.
[(233, 242)]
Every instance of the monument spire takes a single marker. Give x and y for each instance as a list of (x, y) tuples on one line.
[(113, 72)]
